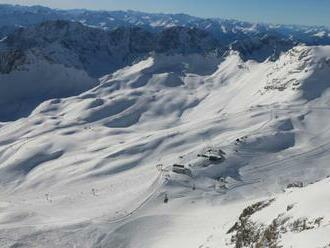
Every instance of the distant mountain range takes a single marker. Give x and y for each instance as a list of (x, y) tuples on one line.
[(14, 16), (98, 51)]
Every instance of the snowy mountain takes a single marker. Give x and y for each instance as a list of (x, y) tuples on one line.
[(39, 59), (102, 169), (79, 46), (287, 220), (134, 130), (64, 51), (226, 30)]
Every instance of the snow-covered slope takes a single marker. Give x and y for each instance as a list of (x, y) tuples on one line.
[(94, 170), (296, 218), (61, 58), (34, 81), (79, 46)]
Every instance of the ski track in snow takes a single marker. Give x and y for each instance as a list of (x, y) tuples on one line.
[(89, 160)]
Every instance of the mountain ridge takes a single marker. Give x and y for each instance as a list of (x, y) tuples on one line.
[(153, 134), (153, 22)]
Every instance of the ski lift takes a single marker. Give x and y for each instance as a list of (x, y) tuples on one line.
[(166, 198), (215, 158), (159, 167), (221, 184), (221, 152)]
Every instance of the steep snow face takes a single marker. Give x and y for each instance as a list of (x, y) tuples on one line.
[(35, 80), (101, 162), (307, 68)]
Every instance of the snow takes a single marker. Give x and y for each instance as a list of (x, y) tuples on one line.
[(81, 171), (226, 30), (321, 34), (23, 89), (3, 39), (311, 202)]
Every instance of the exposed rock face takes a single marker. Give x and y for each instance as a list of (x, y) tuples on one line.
[(183, 40), (261, 48), (99, 52), (11, 60)]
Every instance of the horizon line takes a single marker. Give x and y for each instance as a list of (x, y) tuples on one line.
[(167, 13)]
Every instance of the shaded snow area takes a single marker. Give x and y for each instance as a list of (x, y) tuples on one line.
[(23, 90), (175, 151)]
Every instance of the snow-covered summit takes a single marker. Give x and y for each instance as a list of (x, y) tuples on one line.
[(87, 47)]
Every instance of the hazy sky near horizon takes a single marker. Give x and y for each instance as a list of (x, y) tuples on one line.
[(306, 12)]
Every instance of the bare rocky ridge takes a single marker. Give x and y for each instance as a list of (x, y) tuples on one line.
[(100, 52)]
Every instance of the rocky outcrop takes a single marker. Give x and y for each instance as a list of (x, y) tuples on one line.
[(99, 52), (11, 60)]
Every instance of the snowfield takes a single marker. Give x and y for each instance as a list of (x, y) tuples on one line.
[(96, 169)]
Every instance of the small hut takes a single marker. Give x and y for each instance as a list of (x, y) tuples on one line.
[(181, 169)]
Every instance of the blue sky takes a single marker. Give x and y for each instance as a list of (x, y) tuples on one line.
[(309, 12)]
